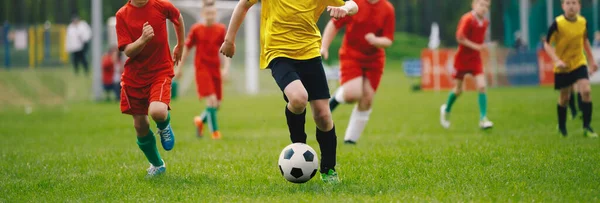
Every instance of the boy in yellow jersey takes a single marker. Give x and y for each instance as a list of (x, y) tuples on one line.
[(290, 47), (568, 34)]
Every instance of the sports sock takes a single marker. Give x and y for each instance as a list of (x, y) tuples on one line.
[(572, 106), (357, 124), (212, 119), (204, 116), (579, 101), (562, 116), (482, 105), (163, 124), (295, 123), (148, 145), (586, 108), (451, 99), (337, 99), (327, 144)]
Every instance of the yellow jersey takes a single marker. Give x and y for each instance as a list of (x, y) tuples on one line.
[(568, 38), (288, 28)]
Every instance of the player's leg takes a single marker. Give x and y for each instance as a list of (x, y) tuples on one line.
[(288, 80), (362, 111), (563, 99), (313, 77), (454, 94), (572, 101), (75, 58), (212, 103), (160, 97), (484, 122), (147, 143), (352, 82), (586, 106)]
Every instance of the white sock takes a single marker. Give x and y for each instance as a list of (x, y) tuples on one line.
[(358, 121), (339, 95)]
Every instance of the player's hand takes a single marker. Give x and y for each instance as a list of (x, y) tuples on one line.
[(337, 12), (228, 48), (177, 52), (325, 53), (147, 32), (224, 73), (593, 67), (560, 64), (370, 37)]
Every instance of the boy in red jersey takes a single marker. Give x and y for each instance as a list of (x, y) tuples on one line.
[(362, 58), (207, 37), (109, 61), (146, 81), (470, 36)]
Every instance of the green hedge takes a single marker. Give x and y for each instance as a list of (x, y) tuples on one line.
[(405, 46)]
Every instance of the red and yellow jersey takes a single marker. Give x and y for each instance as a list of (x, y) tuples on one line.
[(473, 29), (207, 40), (288, 28), (378, 18), (155, 59)]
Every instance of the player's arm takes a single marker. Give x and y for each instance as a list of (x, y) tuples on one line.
[(180, 32), (587, 46), (239, 13), (461, 35), (389, 29), (226, 61), (329, 34), (133, 49), (549, 48), (348, 9)]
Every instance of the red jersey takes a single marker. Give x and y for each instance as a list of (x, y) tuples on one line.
[(207, 40), (378, 18), (473, 29), (108, 69), (154, 61)]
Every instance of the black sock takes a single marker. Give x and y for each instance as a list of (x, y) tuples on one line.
[(586, 109), (328, 144), (572, 106), (579, 101), (562, 117), (333, 103), (295, 124)]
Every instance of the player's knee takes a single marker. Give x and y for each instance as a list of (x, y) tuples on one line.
[(481, 89), (457, 91), (564, 99), (366, 101), (158, 114), (351, 96), (586, 94), (298, 99)]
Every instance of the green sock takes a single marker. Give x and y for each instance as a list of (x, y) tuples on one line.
[(204, 116), (212, 119), (482, 105), (162, 125), (148, 145), (450, 102)]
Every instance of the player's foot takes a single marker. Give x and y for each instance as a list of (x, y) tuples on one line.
[(574, 115), (199, 126), (444, 117), (589, 132), (349, 142), (216, 135), (167, 138), (563, 131), (154, 171), (485, 123), (330, 177)]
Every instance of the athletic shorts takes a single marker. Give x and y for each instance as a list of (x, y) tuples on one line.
[(565, 80), (207, 84), (351, 69), (310, 72), (135, 100)]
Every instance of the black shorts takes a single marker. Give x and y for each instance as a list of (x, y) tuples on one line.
[(564, 80), (310, 72)]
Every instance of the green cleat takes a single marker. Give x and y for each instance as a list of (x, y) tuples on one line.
[(330, 177), (588, 132)]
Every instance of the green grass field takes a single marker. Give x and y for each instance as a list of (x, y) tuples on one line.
[(87, 152)]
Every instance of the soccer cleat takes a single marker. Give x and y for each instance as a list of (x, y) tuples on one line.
[(154, 171), (216, 135), (589, 132), (167, 138), (444, 117), (330, 177), (199, 126), (485, 123), (349, 142)]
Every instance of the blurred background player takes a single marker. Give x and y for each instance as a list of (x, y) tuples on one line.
[(470, 36), (290, 42), (207, 37), (362, 58), (146, 86), (77, 40), (568, 34), (111, 63)]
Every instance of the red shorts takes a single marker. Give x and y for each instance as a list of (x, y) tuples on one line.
[(207, 84), (459, 73), (135, 101), (372, 70)]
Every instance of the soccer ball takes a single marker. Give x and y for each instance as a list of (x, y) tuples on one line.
[(298, 163)]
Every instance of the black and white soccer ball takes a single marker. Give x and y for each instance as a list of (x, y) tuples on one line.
[(298, 163)]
